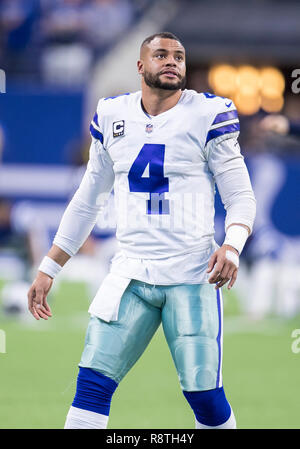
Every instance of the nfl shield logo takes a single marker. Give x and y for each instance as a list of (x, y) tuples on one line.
[(149, 128)]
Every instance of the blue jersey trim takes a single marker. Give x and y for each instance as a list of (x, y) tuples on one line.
[(95, 133), (224, 116), (95, 119), (209, 95), (213, 133)]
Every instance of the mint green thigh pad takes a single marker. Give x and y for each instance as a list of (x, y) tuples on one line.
[(113, 348), (191, 318), (191, 321)]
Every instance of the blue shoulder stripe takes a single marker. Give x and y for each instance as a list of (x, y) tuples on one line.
[(224, 116), (95, 133), (213, 133), (96, 119)]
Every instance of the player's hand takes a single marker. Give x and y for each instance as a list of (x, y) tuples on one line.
[(222, 269), (37, 296)]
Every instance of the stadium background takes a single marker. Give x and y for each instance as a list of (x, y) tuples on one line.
[(59, 57)]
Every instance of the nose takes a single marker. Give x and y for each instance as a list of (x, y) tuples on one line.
[(171, 64), (171, 61)]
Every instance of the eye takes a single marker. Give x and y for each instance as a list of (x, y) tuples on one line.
[(160, 55)]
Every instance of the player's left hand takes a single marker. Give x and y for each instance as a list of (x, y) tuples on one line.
[(222, 268)]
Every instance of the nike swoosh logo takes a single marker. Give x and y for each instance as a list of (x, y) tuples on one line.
[(228, 105)]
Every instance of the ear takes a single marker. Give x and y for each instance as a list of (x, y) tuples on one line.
[(140, 67)]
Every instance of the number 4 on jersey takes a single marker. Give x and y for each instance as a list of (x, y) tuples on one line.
[(156, 184)]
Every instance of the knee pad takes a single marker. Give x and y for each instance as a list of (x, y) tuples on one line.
[(210, 407), (94, 391)]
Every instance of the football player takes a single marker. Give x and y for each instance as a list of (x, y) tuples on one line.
[(163, 149)]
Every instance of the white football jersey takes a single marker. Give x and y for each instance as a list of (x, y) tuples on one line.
[(164, 185), (163, 170)]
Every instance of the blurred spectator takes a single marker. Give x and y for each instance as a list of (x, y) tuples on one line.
[(17, 243), (24, 237), (18, 20), (62, 22), (62, 36), (280, 124), (75, 32), (105, 21), (263, 133), (66, 58), (15, 261)]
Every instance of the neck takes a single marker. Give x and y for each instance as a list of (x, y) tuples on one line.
[(156, 101)]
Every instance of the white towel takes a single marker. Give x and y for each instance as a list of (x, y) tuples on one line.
[(106, 303)]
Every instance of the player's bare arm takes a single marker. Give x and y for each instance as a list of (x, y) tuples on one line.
[(37, 294)]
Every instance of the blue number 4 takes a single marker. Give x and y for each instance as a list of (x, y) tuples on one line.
[(156, 184)]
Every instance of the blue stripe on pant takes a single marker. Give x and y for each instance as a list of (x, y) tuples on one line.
[(220, 338)]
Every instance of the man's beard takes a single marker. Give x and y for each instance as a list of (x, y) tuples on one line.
[(154, 81)]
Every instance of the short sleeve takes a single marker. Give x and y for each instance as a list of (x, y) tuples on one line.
[(96, 127), (222, 147), (225, 121)]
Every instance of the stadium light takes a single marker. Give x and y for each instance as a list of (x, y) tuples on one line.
[(223, 79), (272, 82), (247, 104), (250, 88)]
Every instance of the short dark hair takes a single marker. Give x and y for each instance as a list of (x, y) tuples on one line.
[(162, 35)]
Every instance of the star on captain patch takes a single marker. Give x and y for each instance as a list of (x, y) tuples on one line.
[(149, 128)]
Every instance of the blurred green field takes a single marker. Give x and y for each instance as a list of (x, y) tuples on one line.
[(38, 372)]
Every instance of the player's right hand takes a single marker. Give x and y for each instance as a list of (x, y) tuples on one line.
[(37, 296), (223, 269)]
